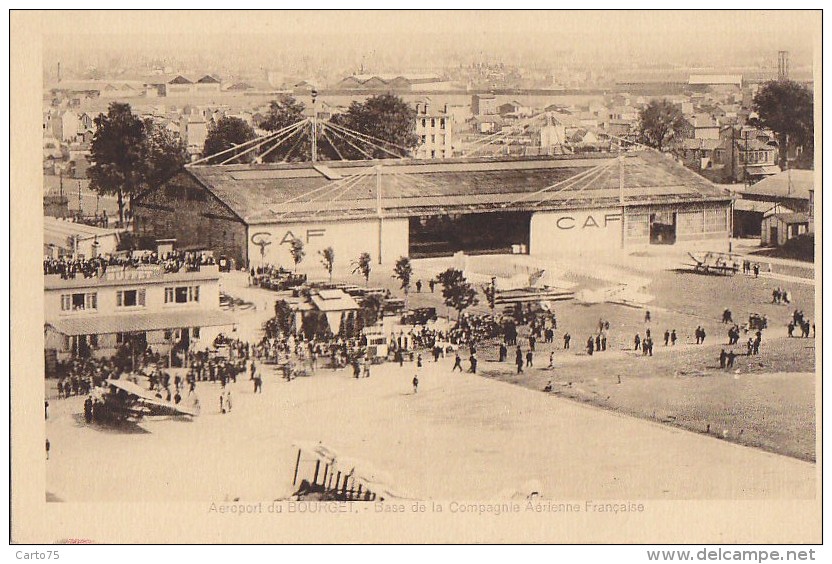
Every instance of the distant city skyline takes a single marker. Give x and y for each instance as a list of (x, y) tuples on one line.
[(316, 42)]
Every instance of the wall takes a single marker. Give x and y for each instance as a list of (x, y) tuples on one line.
[(183, 210), (588, 231), (209, 297), (347, 238), (575, 231)]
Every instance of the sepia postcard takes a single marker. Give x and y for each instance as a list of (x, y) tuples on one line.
[(416, 276)]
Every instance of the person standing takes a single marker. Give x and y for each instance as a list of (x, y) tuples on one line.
[(673, 338), (88, 410), (228, 401), (473, 361), (503, 352), (637, 342), (647, 316), (47, 449), (723, 356), (566, 339), (457, 362), (419, 286), (666, 337), (416, 382), (529, 359), (551, 360)]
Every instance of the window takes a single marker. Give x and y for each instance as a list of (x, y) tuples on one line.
[(168, 334), (196, 333), (182, 294), (442, 123), (424, 122), (94, 341), (79, 301), (130, 298)]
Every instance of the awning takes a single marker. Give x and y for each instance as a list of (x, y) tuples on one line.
[(763, 170), (106, 324)]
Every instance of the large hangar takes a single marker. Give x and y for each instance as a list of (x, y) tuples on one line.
[(572, 204)]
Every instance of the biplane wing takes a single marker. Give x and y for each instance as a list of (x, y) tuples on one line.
[(153, 405)]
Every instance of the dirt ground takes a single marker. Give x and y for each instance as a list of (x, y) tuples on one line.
[(494, 435)]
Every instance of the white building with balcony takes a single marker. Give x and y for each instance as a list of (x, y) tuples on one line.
[(142, 307)]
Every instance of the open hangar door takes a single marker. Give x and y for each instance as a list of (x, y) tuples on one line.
[(475, 233)]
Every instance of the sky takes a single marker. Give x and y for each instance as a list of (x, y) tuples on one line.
[(255, 37)]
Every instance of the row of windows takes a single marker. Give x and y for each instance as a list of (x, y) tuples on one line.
[(433, 122), (82, 301), (424, 139), (757, 156)]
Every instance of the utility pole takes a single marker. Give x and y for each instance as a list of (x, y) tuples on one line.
[(621, 195), (314, 125), (378, 209)]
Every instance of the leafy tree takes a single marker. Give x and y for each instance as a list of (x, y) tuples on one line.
[(490, 292), (284, 316), (661, 124), (328, 260), (362, 266), (403, 271), (166, 153), (282, 113), (458, 293), (118, 154), (297, 251), (371, 309), (225, 134), (386, 117), (786, 107)]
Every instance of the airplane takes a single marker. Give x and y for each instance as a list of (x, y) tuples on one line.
[(123, 399), (724, 264)]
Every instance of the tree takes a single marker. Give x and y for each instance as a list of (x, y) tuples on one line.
[(490, 291), (385, 117), (118, 154), (282, 113), (284, 316), (371, 309), (225, 134), (328, 260), (404, 272), (786, 107), (661, 124), (297, 251), (362, 266), (458, 293), (166, 153)]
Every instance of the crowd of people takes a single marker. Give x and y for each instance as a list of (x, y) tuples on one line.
[(174, 261)]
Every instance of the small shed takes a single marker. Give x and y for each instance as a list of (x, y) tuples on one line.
[(780, 227)]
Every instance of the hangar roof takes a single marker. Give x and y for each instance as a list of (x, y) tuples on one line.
[(294, 192)]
